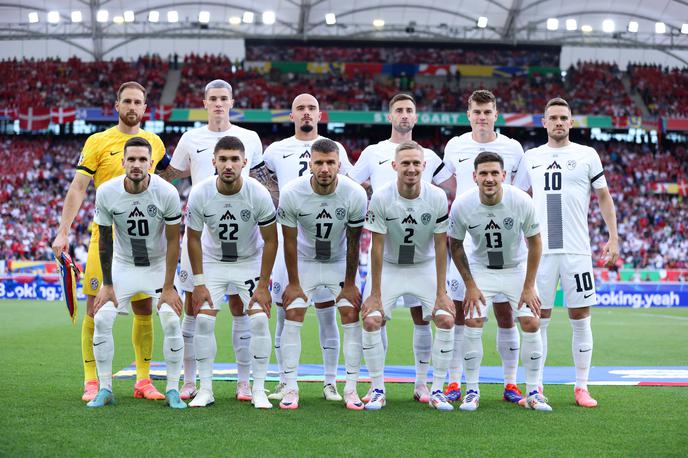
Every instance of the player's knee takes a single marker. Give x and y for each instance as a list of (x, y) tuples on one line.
[(105, 319), (578, 313), (503, 315), (475, 323), (529, 324), (545, 313), (347, 312), (373, 322), (443, 319)]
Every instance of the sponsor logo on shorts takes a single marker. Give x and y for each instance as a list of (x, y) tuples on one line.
[(508, 223), (152, 210), (340, 213), (571, 164), (425, 218), (245, 215), (94, 283), (183, 275)]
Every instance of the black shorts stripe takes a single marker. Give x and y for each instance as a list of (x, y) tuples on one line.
[(86, 169), (356, 221), (596, 177), (437, 170), (267, 222), (442, 219), (172, 218), (262, 163)]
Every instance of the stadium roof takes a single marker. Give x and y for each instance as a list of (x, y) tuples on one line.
[(580, 23)]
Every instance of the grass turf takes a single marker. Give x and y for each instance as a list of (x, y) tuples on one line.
[(43, 416)]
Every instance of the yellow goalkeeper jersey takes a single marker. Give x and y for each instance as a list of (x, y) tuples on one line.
[(101, 158)]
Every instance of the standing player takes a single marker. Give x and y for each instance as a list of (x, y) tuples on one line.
[(231, 222), (101, 160), (145, 212), (408, 219), (289, 159), (561, 173), (497, 217), (194, 156), (321, 217), (375, 164), (459, 155)]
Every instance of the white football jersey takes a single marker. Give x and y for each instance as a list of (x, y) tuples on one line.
[(561, 179), (290, 158), (375, 164), (322, 219), (496, 232), (409, 224), (231, 222), (461, 151), (139, 219), (195, 151)]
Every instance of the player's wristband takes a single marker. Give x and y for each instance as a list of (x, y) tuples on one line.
[(163, 163), (199, 280)]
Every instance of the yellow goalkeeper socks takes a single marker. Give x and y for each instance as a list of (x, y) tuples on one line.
[(89, 358), (142, 339)]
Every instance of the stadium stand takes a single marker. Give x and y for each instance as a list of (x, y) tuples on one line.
[(664, 91)]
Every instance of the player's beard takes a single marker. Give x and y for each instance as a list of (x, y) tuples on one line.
[(128, 121), (559, 135), (403, 129), (307, 128)]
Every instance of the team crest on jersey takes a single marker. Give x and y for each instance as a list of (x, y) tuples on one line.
[(81, 159), (454, 285), (152, 210), (370, 217), (508, 223), (245, 215), (183, 275), (340, 213), (571, 164), (425, 218), (94, 283)]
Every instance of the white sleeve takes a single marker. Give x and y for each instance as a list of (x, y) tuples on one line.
[(268, 158), (181, 158), (457, 229), (440, 172), (360, 172), (286, 213), (265, 209), (519, 175), (596, 172), (172, 214), (375, 218), (447, 157), (194, 210), (344, 162), (357, 208), (102, 216), (531, 226), (442, 212), (257, 156)]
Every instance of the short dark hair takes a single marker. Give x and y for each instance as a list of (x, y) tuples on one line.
[(557, 102), (488, 156), (138, 141), (325, 145), (482, 96), (130, 85), (229, 143), (402, 96)]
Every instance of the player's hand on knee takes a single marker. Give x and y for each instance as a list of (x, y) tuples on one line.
[(530, 298), (262, 297), (199, 296), (105, 295), (169, 296), (291, 293), (443, 302), (370, 305), (352, 294), (472, 301)]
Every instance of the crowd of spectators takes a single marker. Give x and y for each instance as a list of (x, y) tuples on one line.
[(664, 90), (653, 227), (76, 83), (502, 56)]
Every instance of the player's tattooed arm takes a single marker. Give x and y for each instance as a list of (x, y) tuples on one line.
[(170, 173), (105, 251), (267, 179), (460, 260), (474, 296)]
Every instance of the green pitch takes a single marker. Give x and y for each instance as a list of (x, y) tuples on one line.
[(42, 414)]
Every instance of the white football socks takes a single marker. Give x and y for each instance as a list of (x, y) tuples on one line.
[(383, 336), (260, 349), (456, 363), (544, 324), (291, 352), (329, 342), (507, 347), (442, 350), (422, 350), (279, 327), (531, 354), (188, 331), (103, 343), (472, 356), (582, 350), (206, 349), (241, 341), (172, 345), (353, 336), (374, 354)]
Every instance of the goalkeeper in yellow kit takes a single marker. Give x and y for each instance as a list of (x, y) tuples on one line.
[(101, 160)]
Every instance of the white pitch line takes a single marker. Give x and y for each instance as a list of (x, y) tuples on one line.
[(671, 317)]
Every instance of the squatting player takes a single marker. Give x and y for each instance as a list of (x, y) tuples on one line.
[(322, 216), (408, 219), (232, 244), (459, 155), (289, 159), (375, 165), (194, 156), (496, 218), (561, 173), (145, 212), (101, 160)]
